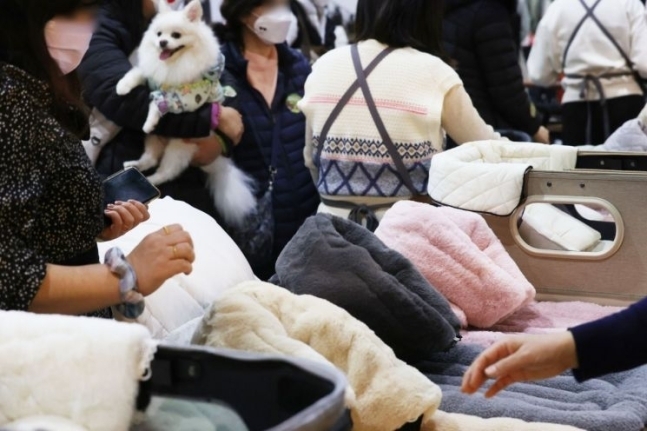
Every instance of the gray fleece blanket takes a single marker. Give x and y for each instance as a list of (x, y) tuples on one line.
[(344, 263), (614, 403)]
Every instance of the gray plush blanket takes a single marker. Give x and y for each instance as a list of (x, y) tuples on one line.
[(344, 263), (614, 403)]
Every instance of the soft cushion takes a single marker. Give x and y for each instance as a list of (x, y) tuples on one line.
[(76, 369), (488, 176), (344, 263), (547, 227), (459, 254), (219, 265)]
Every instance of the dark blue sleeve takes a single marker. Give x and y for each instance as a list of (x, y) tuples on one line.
[(613, 344)]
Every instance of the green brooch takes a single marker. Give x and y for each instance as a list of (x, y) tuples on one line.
[(228, 91), (292, 103)]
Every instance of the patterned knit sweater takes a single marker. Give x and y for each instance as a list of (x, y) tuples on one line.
[(410, 89)]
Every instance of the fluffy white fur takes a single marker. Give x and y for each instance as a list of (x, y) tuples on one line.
[(74, 368), (197, 51), (200, 50)]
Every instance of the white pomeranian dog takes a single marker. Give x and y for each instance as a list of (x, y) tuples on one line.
[(180, 61)]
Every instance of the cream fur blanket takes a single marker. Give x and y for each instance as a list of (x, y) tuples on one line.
[(384, 394)]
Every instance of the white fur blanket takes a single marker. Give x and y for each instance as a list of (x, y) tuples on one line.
[(70, 373)]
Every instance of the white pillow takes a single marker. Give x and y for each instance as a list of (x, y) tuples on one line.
[(547, 227), (219, 265)]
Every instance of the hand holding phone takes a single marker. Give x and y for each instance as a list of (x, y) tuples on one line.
[(127, 185), (124, 217)]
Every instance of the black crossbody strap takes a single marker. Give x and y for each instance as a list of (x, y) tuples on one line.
[(589, 13), (384, 134), (343, 102)]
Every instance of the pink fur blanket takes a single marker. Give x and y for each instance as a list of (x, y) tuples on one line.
[(541, 318), (459, 254)]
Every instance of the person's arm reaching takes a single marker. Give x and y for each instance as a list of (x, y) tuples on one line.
[(612, 344), (461, 121), (521, 358), (605, 346)]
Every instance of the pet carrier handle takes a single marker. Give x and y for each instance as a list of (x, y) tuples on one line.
[(517, 216)]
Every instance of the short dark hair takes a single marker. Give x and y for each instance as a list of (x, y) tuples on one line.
[(22, 44), (233, 11), (402, 23)]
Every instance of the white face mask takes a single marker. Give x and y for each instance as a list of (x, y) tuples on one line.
[(67, 42), (172, 4), (273, 26)]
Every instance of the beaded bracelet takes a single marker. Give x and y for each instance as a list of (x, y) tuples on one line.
[(132, 302)]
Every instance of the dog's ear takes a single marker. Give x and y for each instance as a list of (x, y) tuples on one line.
[(193, 11)]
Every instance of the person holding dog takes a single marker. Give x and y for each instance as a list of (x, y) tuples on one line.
[(120, 27), (51, 202)]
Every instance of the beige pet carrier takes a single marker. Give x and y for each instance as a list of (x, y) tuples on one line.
[(611, 270)]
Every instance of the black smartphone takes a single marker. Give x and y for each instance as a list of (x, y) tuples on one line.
[(126, 185)]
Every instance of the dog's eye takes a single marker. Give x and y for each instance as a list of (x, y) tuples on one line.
[(159, 33), (176, 35)]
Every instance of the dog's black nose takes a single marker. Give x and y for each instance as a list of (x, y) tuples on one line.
[(163, 43)]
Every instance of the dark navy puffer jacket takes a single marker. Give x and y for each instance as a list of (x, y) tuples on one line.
[(480, 37), (279, 132)]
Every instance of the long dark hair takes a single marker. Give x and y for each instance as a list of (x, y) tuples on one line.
[(402, 23), (22, 44), (233, 11)]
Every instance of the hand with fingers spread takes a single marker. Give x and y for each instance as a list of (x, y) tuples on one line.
[(160, 256), (125, 216), (521, 358)]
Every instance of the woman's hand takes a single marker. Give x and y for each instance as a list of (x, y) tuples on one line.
[(125, 217), (160, 256), (209, 149), (231, 124), (521, 358), (542, 136)]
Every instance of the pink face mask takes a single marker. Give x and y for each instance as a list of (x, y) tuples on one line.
[(67, 42)]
